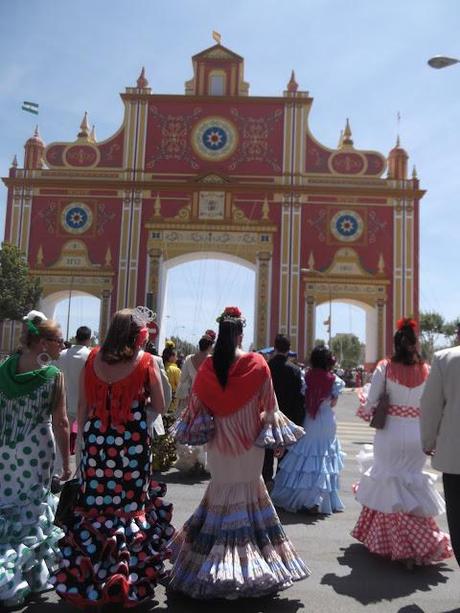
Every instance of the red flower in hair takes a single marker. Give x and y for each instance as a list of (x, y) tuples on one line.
[(406, 321), (210, 334), (232, 311)]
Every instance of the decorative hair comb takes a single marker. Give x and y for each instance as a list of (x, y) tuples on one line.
[(142, 315)]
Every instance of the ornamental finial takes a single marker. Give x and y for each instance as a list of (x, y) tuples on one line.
[(142, 81), (84, 127), (347, 139), (292, 86)]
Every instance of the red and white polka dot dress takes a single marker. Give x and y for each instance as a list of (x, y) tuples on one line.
[(399, 498)]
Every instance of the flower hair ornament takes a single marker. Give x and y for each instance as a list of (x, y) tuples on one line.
[(231, 313), (406, 322), (32, 319), (209, 335), (142, 316)]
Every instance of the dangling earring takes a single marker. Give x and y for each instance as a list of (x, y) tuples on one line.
[(44, 358)]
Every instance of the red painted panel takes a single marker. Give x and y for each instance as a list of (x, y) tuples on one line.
[(348, 163), (81, 156), (50, 234), (259, 131), (111, 151), (54, 155), (316, 158)]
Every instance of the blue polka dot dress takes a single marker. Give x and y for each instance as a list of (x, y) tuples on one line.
[(115, 547)]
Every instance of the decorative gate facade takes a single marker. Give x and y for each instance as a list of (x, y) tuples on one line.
[(216, 170)]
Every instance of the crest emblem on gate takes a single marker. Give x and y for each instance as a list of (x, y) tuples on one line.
[(214, 138)]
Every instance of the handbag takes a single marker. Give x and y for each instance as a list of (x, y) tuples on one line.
[(381, 410), (67, 501)]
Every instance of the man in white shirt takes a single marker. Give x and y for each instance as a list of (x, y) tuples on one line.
[(440, 431), (71, 362)]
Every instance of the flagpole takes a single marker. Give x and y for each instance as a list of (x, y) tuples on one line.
[(68, 309)]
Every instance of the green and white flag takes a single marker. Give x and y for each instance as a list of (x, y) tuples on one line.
[(30, 107)]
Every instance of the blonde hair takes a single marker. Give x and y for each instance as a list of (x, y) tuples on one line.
[(119, 344), (46, 328)]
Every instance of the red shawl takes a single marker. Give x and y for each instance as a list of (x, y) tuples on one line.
[(245, 377), (319, 384)]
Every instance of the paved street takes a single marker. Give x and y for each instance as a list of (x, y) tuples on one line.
[(345, 577)]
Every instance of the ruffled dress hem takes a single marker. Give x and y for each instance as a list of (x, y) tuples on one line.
[(115, 557), (309, 477), (29, 550), (234, 547), (401, 536)]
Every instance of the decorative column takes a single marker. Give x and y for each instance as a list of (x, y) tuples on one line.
[(104, 318), (380, 329), (262, 310), (155, 261), (310, 324)]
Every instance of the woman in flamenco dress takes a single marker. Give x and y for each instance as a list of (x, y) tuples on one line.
[(234, 545), (308, 476), (114, 547), (32, 417), (399, 499)]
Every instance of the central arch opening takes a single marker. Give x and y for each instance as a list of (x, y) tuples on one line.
[(196, 287), (348, 317), (72, 309)]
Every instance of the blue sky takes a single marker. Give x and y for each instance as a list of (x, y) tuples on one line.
[(359, 59)]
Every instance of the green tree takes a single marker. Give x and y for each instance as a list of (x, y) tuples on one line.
[(347, 349), (431, 327), (450, 331), (183, 346), (19, 292)]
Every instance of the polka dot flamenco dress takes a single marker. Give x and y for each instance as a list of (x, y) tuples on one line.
[(114, 548), (28, 536)]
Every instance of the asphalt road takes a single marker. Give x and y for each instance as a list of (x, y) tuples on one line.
[(345, 576)]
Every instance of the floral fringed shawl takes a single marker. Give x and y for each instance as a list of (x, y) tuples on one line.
[(243, 414)]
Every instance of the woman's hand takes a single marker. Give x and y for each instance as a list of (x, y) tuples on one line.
[(66, 473), (429, 452)]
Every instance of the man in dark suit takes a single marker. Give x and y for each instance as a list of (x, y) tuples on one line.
[(287, 381)]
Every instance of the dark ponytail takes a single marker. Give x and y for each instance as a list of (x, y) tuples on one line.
[(224, 350)]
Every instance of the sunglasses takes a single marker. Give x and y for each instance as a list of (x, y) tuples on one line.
[(60, 341)]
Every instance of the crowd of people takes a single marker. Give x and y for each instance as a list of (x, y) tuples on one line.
[(264, 432)]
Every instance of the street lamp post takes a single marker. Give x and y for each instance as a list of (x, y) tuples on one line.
[(442, 61), (322, 274)]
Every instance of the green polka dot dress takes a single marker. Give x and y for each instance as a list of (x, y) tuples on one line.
[(28, 536)]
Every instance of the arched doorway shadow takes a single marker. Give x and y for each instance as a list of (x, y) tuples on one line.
[(373, 579)]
